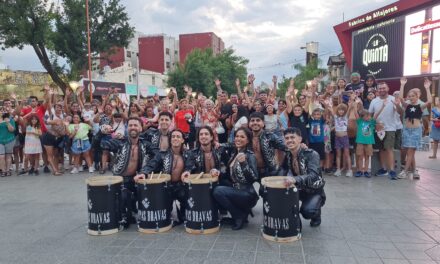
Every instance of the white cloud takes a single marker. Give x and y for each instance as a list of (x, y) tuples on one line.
[(267, 32)]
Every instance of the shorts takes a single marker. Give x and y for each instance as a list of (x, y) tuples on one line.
[(318, 147), (387, 142), (411, 137), (80, 146), (364, 149), (398, 140), (50, 140), (342, 142), (7, 148)]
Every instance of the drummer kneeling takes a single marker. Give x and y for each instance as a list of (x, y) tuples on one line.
[(304, 168)]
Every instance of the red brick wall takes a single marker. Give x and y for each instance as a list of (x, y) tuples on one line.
[(114, 60), (151, 54)]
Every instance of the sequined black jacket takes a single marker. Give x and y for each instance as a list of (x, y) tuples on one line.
[(152, 135), (268, 143), (244, 172), (163, 162), (122, 151), (310, 176)]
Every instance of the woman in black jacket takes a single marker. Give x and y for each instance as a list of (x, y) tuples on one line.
[(237, 194)]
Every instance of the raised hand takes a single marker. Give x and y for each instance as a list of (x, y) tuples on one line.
[(251, 78), (427, 83), (237, 82), (292, 82), (274, 79), (217, 82), (403, 81), (241, 157)]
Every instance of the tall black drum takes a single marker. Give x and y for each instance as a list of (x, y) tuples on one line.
[(154, 204), (104, 204), (201, 213), (281, 219)]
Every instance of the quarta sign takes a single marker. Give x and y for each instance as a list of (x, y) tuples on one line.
[(377, 49)]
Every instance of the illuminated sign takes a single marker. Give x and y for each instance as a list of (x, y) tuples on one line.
[(422, 42), (377, 49), (374, 15)]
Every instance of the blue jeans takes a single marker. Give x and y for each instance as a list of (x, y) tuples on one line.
[(238, 202)]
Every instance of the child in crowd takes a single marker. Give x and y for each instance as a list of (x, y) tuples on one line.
[(316, 133), (81, 146), (342, 144), (32, 144), (364, 141)]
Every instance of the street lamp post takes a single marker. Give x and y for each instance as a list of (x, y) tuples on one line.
[(89, 50), (138, 74)]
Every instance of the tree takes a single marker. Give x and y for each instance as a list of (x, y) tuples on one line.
[(60, 31), (305, 73), (202, 67)]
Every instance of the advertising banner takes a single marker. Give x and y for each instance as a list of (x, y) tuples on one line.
[(102, 88), (422, 42), (378, 49)]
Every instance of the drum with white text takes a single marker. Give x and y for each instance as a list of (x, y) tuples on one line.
[(201, 213), (104, 204), (154, 204), (281, 219)]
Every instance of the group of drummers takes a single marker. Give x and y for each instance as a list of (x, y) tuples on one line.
[(235, 166)]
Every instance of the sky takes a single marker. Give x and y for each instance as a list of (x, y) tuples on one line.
[(267, 32)]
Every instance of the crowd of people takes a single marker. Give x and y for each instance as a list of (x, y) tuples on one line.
[(241, 137)]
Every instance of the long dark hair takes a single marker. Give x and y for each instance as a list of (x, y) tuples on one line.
[(248, 134), (211, 132), (242, 111), (37, 125)]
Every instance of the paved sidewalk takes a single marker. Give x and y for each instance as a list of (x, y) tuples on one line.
[(44, 220)]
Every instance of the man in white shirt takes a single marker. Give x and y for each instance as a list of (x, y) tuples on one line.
[(386, 106)]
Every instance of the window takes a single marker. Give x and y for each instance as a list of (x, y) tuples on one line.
[(153, 80), (168, 65), (128, 54), (167, 51), (129, 78)]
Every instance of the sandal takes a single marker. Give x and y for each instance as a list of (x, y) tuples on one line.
[(57, 173), (102, 171), (8, 173), (2, 174), (432, 157)]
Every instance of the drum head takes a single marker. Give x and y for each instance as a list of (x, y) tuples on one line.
[(103, 180), (275, 182), (197, 179), (156, 178)]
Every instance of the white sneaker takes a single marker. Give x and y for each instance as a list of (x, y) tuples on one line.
[(91, 169), (402, 175), (81, 168), (337, 173), (415, 175), (349, 173), (74, 171)]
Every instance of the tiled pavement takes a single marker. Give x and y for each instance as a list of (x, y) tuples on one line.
[(43, 220)]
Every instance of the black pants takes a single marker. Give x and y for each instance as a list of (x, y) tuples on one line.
[(177, 191), (238, 202), (129, 199), (311, 204)]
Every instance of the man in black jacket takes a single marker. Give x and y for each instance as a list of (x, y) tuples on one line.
[(264, 145), (303, 166), (131, 154), (171, 161)]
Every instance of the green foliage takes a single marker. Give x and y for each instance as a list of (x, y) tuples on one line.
[(202, 67), (61, 31), (305, 73)]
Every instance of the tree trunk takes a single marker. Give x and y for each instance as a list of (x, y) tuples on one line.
[(40, 50)]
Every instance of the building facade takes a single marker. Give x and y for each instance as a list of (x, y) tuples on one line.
[(189, 42)]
